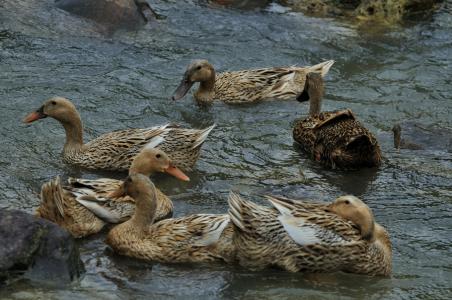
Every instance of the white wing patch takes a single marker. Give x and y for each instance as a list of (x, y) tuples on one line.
[(302, 233), (213, 233), (92, 204), (154, 142)]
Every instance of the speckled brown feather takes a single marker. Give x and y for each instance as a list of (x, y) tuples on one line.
[(59, 204), (174, 240), (336, 138), (248, 86), (195, 238), (116, 150), (340, 142), (262, 241)]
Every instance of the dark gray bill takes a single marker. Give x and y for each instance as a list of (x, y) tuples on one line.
[(182, 89)]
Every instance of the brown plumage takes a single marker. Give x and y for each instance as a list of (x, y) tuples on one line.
[(336, 139), (246, 86), (195, 238), (116, 150), (305, 237), (85, 206)]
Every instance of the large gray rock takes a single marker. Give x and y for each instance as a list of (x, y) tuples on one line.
[(388, 11), (113, 13), (36, 248)]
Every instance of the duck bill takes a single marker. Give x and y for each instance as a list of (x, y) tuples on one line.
[(176, 172), (34, 116), (182, 89)]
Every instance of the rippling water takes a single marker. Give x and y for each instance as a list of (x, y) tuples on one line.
[(125, 79)]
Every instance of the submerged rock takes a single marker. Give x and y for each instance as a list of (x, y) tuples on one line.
[(36, 248), (389, 11), (116, 13)]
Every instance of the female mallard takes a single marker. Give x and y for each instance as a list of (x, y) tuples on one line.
[(307, 237), (116, 150), (195, 238), (84, 206), (334, 138), (246, 86)]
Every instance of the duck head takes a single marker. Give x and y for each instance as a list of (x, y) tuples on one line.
[(353, 209), (152, 160), (199, 70), (58, 108)]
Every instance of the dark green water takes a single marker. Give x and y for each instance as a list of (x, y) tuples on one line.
[(126, 79)]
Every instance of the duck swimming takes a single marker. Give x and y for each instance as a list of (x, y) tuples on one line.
[(305, 237), (336, 138), (84, 206), (195, 238), (115, 150), (246, 86)]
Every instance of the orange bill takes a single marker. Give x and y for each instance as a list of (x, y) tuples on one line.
[(36, 115), (176, 172)]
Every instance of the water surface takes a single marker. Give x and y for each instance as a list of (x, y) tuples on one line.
[(125, 79)]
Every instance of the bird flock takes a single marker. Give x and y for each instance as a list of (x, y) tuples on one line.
[(293, 235)]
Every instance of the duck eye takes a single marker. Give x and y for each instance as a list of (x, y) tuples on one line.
[(347, 202), (53, 102), (198, 68), (158, 155)]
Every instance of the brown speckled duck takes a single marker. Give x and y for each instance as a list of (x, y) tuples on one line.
[(299, 236), (246, 86), (84, 206), (116, 150), (336, 138), (195, 238)]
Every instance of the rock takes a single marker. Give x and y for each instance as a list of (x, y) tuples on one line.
[(113, 13), (36, 248), (388, 11)]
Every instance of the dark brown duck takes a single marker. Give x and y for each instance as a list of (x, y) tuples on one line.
[(336, 139)]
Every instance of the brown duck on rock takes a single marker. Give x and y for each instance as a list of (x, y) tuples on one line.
[(334, 138)]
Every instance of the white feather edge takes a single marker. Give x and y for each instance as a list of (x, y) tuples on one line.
[(212, 236), (99, 211), (202, 137), (301, 232)]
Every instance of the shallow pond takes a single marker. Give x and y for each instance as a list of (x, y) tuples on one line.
[(125, 79)]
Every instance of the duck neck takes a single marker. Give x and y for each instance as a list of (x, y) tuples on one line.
[(206, 90), (140, 168), (397, 139), (74, 134), (146, 206), (315, 91)]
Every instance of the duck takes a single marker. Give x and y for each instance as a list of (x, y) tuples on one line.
[(334, 138), (297, 236), (246, 86), (84, 206), (115, 151), (189, 239)]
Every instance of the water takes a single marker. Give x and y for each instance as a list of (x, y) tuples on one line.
[(125, 79)]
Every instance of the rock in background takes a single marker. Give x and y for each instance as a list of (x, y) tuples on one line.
[(36, 249), (389, 11)]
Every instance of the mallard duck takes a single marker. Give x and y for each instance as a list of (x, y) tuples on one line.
[(336, 139), (116, 150), (245, 86), (306, 237), (195, 238), (84, 206)]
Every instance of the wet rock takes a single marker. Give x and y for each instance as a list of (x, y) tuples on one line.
[(389, 11), (242, 4), (36, 248), (116, 13)]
